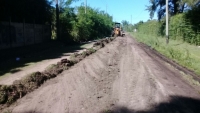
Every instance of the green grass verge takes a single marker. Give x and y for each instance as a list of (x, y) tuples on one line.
[(183, 53)]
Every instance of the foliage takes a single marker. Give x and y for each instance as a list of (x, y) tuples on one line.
[(185, 27), (75, 25), (66, 19), (91, 25), (125, 23), (192, 29), (138, 24), (151, 27), (175, 7), (66, 16), (182, 28), (192, 3), (127, 26)]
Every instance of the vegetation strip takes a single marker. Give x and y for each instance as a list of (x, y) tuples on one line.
[(19, 88)]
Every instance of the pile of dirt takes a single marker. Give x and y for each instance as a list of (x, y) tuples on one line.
[(101, 43), (19, 88)]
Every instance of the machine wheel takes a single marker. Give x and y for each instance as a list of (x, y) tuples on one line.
[(120, 33), (112, 34), (115, 35)]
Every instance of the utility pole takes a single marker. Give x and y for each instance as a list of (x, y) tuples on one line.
[(112, 18), (131, 19), (85, 6), (57, 21), (167, 23), (106, 8)]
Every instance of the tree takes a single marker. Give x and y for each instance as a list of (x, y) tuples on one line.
[(92, 25), (136, 26), (62, 17), (175, 7), (125, 23), (192, 3)]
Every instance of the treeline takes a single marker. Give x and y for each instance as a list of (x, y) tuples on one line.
[(85, 26), (182, 26), (127, 26), (75, 25)]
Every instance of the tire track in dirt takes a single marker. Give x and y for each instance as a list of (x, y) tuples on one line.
[(133, 78), (120, 74)]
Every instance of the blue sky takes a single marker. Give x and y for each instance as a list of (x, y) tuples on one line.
[(121, 9)]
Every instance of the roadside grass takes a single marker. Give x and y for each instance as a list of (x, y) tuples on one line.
[(13, 66), (183, 53)]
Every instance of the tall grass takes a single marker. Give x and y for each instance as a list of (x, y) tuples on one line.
[(183, 53)]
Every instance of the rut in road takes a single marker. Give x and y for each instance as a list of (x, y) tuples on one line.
[(121, 74)]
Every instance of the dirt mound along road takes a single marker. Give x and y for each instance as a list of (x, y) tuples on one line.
[(120, 74), (19, 88)]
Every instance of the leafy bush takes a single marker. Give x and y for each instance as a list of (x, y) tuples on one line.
[(91, 25)]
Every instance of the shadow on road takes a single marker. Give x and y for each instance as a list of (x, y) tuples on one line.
[(33, 54), (175, 105)]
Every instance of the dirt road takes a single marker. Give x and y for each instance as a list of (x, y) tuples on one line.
[(120, 77)]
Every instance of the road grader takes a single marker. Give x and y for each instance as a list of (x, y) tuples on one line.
[(117, 30)]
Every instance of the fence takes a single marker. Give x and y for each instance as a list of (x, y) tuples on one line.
[(21, 34)]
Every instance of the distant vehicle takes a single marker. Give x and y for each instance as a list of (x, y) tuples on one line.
[(117, 30)]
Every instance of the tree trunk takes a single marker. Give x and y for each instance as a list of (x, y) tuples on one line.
[(182, 8), (176, 6)]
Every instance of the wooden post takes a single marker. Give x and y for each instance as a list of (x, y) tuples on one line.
[(24, 32), (57, 21), (85, 6), (167, 23), (10, 36), (34, 31)]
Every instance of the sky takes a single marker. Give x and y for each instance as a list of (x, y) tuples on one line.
[(121, 9)]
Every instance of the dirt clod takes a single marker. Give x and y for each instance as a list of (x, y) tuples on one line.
[(64, 61)]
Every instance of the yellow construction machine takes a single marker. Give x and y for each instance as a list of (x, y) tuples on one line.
[(117, 30)]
